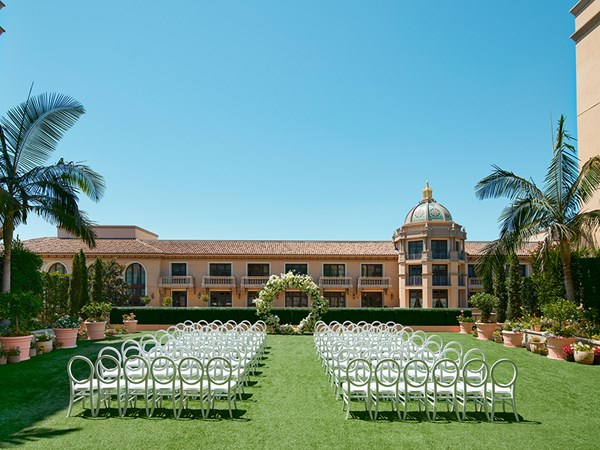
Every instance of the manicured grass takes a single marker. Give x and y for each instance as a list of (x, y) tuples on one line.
[(292, 406)]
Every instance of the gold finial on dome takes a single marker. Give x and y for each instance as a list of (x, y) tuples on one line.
[(427, 193)]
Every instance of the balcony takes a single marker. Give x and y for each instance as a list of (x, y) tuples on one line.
[(413, 256), (374, 282), (335, 282), (414, 280), (182, 282), (440, 280), (218, 282), (475, 282), (440, 255), (254, 282)]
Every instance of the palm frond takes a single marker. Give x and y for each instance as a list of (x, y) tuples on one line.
[(502, 183), (584, 187)]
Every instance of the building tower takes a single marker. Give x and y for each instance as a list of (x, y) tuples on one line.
[(432, 261)]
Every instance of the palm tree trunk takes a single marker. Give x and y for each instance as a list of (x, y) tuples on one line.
[(7, 237), (565, 256)]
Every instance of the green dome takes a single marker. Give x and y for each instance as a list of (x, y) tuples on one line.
[(428, 210)]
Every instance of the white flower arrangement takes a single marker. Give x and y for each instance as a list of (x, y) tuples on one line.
[(279, 283)]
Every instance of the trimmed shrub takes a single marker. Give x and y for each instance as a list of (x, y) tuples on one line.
[(435, 316)]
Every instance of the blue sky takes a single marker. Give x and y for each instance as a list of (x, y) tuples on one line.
[(295, 120)]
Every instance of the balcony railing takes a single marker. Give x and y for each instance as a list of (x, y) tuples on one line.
[(414, 280), (413, 256), (440, 280), (218, 282), (176, 282), (374, 282), (254, 282), (440, 255), (475, 282), (339, 282)]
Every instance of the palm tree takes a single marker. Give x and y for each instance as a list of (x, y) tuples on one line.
[(29, 134), (555, 212)]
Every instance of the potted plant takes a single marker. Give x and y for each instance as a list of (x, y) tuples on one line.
[(583, 353), (497, 336), (167, 301), (145, 300), (3, 357), (40, 349), (21, 309), (130, 323), (536, 344), (32, 349), (13, 354), (204, 298), (563, 316), (486, 303), (535, 323), (65, 330), (465, 322), (44, 341), (96, 314), (512, 333)]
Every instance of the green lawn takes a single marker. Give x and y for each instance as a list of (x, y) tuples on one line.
[(292, 406)]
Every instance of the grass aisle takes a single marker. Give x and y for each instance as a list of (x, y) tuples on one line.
[(291, 405)]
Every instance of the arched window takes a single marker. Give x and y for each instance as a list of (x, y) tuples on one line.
[(58, 268), (135, 276)]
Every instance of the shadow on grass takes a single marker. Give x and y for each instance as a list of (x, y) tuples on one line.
[(36, 434), (441, 417), (164, 414)]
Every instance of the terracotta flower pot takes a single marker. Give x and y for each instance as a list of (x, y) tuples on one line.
[(535, 347), (23, 342), (555, 346), (513, 339), (95, 330), (130, 325), (15, 359), (66, 336), (3, 360), (465, 327), (32, 352), (485, 331), (537, 328), (584, 357)]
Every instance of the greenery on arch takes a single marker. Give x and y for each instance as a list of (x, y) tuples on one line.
[(290, 280)]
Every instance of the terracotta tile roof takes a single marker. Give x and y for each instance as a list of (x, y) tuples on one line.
[(384, 249), (476, 248)]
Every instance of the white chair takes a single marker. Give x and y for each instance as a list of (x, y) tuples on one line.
[(357, 385), (82, 383), (192, 384), (414, 386), (136, 374), (384, 388), (443, 385), (472, 388), (163, 373), (503, 375), (221, 385), (108, 375)]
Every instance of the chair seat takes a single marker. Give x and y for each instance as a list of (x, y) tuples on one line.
[(500, 391)]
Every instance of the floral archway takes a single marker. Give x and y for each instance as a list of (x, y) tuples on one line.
[(290, 280)]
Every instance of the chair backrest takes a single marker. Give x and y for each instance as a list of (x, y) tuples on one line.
[(219, 371), (475, 373), (387, 373), (358, 372), (503, 373), (163, 371), (415, 373), (445, 373), (108, 369), (191, 371), (457, 346), (136, 369), (129, 343), (474, 353), (112, 352), (80, 375)]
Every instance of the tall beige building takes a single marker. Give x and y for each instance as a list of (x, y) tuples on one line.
[(587, 44)]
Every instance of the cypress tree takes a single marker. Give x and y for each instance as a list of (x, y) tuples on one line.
[(500, 293), (97, 280), (513, 311), (85, 293), (528, 295), (75, 287)]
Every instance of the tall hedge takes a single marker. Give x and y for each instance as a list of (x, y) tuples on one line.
[(25, 270)]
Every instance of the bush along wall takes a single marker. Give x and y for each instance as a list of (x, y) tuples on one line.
[(172, 316)]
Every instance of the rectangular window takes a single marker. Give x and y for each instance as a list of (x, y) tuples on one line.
[(415, 271), (179, 299), (252, 295), (258, 270), (439, 249), (440, 275), (440, 298), (415, 298), (371, 299), (523, 270), (472, 271), (371, 270), (297, 268), (219, 269), (220, 299), (336, 299), (334, 270), (178, 269), (296, 300), (415, 248)]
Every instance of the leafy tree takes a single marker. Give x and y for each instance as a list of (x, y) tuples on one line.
[(55, 296), (97, 281), (547, 276), (25, 269), (76, 285), (85, 294), (488, 281), (529, 296), (555, 211), (116, 290), (500, 293), (29, 134), (513, 311)]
